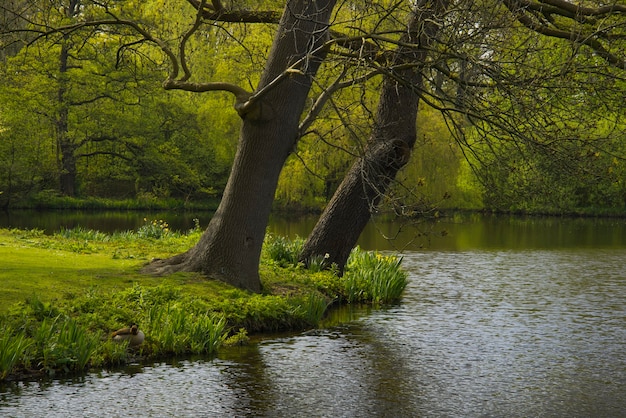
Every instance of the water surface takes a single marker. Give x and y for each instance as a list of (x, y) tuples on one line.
[(511, 319)]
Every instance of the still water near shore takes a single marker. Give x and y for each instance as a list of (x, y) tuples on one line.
[(503, 317), (458, 232)]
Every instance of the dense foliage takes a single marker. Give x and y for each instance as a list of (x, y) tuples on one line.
[(84, 113)]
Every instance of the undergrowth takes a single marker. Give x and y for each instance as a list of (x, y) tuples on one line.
[(182, 314)]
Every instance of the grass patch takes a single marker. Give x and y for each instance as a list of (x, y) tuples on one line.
[(51, 199), (63, 294)]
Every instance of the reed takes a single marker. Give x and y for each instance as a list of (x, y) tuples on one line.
[(174, 330), (282, 250), (80, 233), (206, 334), (13, 351), (312, 309), (374, 277), (62, 344)]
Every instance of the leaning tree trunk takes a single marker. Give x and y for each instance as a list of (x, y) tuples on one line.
[(388, 149), (230, 248)]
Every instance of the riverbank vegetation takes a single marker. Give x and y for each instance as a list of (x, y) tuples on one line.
[(63, 294), (52, 200)]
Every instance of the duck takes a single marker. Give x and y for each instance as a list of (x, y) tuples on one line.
[(133, 335)]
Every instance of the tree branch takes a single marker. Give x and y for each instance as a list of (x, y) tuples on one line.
[(577, 10), (518, 9), (114, 154), (219, 13), (323, 98), (239, 92), (186, 36)]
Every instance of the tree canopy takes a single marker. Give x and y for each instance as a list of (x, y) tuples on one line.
[(488, 76)]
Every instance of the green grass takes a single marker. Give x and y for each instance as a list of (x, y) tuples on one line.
[(62, 295), (50, 199)]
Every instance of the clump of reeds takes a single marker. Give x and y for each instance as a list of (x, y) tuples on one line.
[(13, 350), (282, 250), (370, 277), (374, 277), (173, 330), (60, 343)]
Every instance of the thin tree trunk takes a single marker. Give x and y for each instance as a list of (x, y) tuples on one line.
[(230, 248), (388, 150), (66, 148), (66, 161)]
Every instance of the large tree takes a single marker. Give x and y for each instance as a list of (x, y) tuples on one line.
[(504, 87), (230, 248), (389, 146)]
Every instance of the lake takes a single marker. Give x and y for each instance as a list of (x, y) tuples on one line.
[(502, 317)]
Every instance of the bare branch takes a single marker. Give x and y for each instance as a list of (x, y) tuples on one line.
[(328, 92), (518, 9), (183, 42)]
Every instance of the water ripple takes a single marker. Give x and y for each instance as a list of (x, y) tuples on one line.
[(478, 334)]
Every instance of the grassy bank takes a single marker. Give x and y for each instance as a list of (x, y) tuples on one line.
[(51, 200), (63, 295)]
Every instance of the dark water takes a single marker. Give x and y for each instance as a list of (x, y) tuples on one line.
[(503, 317), (460, 232)]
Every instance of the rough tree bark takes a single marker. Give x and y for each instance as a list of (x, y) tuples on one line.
[(229, 249), (388, 149)]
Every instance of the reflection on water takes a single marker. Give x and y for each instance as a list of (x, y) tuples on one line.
[(460, 232), (494, 333)]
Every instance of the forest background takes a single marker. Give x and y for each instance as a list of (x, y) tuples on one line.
[(89, 118)]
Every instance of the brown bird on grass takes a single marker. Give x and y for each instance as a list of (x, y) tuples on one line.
[(133, 335)]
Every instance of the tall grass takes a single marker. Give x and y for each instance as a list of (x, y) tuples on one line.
[(173, 330), (13, 351), (206, 334), (370, 277), (311, 308), (282, 250), (374, 277), (80, 233), (60, 343)]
